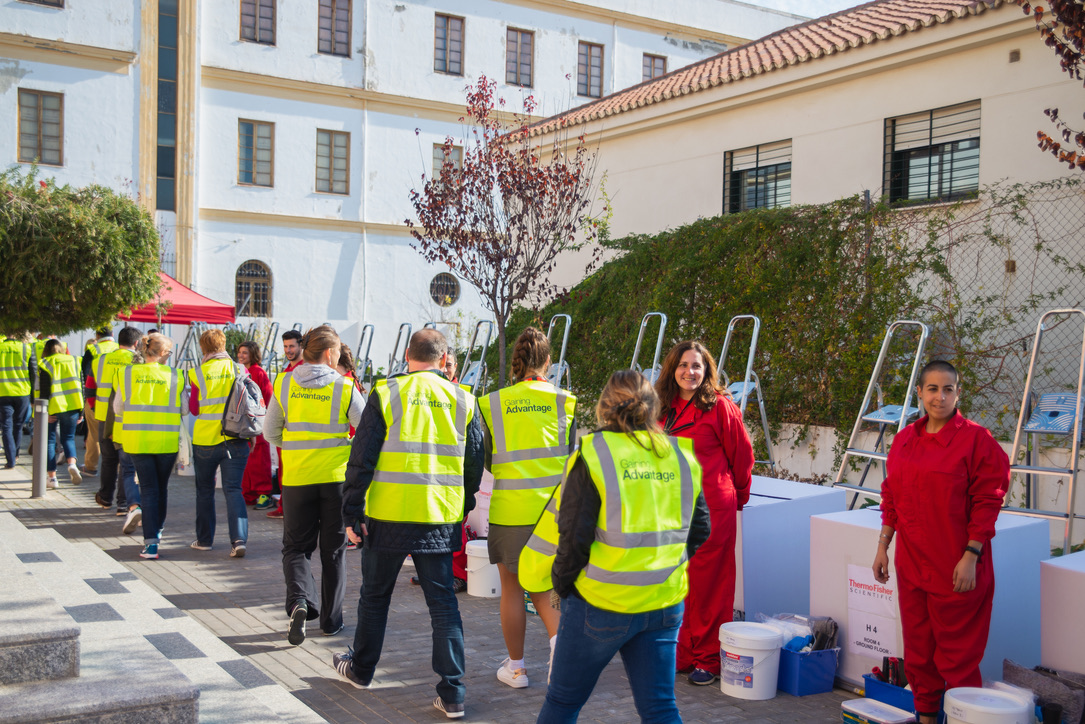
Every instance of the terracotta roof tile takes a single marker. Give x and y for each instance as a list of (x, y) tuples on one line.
[(836, 33)]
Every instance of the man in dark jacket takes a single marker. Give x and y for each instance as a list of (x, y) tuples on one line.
[(414, 422)]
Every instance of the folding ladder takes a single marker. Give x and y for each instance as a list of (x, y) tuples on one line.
[(884, 415), (1056, 413), (473, 378), (269, 355), (397, 361), (652, 373), (740, 391), (453, 328), (190, 354), (363, 365), (558, 374)]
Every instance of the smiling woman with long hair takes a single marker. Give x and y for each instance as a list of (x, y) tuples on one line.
[(694, 406)]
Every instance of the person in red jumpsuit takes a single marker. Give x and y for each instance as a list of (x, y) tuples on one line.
[(695, 406), (946, 478), (256, 480)]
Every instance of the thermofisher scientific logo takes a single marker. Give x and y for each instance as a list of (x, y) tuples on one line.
[(869, 590), (525, 405), (640, 470)]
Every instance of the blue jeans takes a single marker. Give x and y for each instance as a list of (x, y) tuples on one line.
[(66, 422), (154, 474), (229, 457), (379, 572), (13, 412), (588, 638)]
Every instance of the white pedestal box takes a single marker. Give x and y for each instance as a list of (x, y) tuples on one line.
[(773, 549), (840, 540), (1062, 630)]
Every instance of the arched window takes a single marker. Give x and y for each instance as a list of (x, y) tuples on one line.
[(444, 289), (252, 292)]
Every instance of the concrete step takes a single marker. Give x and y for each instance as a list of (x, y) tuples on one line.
[(38, 639), (114, 602)]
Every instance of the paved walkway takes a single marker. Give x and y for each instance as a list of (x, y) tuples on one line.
[(240, 601)]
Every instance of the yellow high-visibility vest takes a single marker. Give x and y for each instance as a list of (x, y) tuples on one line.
[(530, 424), (316, 442), (105, 372), (419, 475), (14, 365), (67, 387), (214, 379), (152, 409), (537, 557), (637, 562)]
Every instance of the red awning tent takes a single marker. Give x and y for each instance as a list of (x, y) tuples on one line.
[(186, 306)]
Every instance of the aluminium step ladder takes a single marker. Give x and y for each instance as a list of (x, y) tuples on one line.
[(558, 374), (190, 354), (1056, 413), (751, 383), (651, 373), (363, 365), (884, 415), (474, 374), (397, 361), (268, 353)]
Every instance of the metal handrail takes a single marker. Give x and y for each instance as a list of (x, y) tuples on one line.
[(654, 371), (559, 370)]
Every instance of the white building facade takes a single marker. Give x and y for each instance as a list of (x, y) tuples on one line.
[(277, 142)]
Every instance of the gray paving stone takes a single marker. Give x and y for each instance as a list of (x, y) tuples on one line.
[(43, 557), (246, 674), (106, 586), (175, 646), (92, 612)]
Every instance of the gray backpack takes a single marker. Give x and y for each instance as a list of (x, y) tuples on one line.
[(243, 416)]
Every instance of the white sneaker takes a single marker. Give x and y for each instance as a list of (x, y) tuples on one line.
[(75, 475), (51, 483), (516, 679), (134, 518)]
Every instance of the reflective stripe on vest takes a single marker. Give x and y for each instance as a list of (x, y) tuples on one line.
[(530, 424), (106, 372), (316, 442), (419, 475), (215, 380), (152, 409), (14, 368), (66, 393), (638, 560), (537, 557)]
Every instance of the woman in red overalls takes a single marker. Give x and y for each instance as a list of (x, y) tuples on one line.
[(256, 480), (946, 480), (695, 406)]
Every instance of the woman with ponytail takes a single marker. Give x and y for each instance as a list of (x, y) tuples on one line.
[(694, 406), (630, 514), (531, 433)]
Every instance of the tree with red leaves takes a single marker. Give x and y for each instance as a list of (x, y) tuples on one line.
[(501, 218), (1063, 30)]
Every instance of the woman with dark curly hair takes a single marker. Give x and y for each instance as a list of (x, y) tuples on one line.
[(694, 406)]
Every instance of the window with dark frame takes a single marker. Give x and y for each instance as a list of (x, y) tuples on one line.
[(333, 162), (165, 197), (519, 54), (50, 3), (933, 156), (255, 153), (448, 44), (589, 70), (258, 21), (758, 177), (41, 127), (333, 31), (653, 66), (252, 290)]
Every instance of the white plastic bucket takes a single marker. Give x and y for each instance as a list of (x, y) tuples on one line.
[(749, 660), (870, 711), (483, 580), (970, 705)]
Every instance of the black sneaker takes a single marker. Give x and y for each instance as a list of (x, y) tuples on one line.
[(700, 677), (342, 664), (459, 585), (296, 633), (452, 711)]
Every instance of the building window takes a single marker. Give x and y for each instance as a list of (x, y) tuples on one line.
[(333, 162), (448, 45), (757, 178), (255, 153), (258, 21), (934, 155), (50, 3), (165, 197), (334, 27), (519, 50), (252, 290), (41, 127), (653, 66), (589, 70), (455, 157), (444, 289)]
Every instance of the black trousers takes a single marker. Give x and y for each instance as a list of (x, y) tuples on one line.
[(312, 516), (109, 463)]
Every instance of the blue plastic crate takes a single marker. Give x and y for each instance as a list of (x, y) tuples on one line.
[(888, 694), (803, 674)]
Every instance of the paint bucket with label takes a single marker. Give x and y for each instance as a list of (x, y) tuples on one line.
[(483, 580), (971, 705), (749, 660)]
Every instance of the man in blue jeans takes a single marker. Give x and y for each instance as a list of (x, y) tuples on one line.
[(418, 421), (211, 384)]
